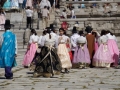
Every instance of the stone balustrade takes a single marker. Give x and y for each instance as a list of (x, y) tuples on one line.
[(101, 8), (112, 24), (104, 15)]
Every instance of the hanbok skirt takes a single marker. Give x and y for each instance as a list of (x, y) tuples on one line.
[(102, 57), (47, 61), (70, 52), (29, 3), (96, 46), (29, 54), (7, 5), (64, 56), (112, 45), (81, 55), (2, 21)]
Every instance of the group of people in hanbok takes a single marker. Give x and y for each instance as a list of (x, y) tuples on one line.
[(52, 54)]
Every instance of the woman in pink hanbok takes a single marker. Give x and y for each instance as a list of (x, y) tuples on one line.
[(102, 57), (81, 55), (32, 47), (2, 19), (112, 45)]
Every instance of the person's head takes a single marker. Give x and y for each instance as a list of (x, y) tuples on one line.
[(61, 31), (109, 32), (88, 29), (45, 7), (103, 32), (44, 32), (81, 33), (74, 30), (94, 33), (33, 32), (28, 7), (49, 31), (64, 10), (53, 30)]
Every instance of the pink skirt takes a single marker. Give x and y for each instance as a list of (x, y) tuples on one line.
[(29, 55), (81, 55), (102, 58), (112, 45), (2, 21), (96, 46)]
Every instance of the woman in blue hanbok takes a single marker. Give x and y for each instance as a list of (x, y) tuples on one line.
[(14, 4), (7, 5)]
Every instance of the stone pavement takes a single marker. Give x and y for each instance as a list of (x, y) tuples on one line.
[(77, 79)]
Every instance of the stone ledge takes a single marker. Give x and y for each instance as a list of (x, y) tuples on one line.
[(92, 19), (88, 2)]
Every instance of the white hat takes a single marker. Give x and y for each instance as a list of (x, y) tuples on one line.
[(81, 39), (76, 25)]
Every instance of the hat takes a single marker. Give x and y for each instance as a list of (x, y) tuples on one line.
[(7, 24), (76, 25), (81, 40), (88, 29), (51, 26)]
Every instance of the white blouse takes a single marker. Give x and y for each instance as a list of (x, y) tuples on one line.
[(40, 39), (109, 36), (103, 39), (46, 41), (63, 39), (74, 38), (34, 39)]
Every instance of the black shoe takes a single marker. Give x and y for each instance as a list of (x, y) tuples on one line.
[(66, 70), (9, 77)]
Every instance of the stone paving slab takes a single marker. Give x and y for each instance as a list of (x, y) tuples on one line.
[(108, 79)]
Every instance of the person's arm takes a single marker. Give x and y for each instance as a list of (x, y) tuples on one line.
[(42, 41), (56, 42), (4, 13), (1, 40), (72, 42), (30, 41), (48, 15), (16, 49)]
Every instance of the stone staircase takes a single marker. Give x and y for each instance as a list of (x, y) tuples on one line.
[(19, 20), (96, 17)]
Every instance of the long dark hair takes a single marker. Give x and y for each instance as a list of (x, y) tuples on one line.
[(44, 32), (62, 30), (49, 31), (103, 32), (33, 31), (109, 32)]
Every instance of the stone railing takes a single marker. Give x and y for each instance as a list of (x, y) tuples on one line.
[(91, 16), (112, 24), (112, 9)]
